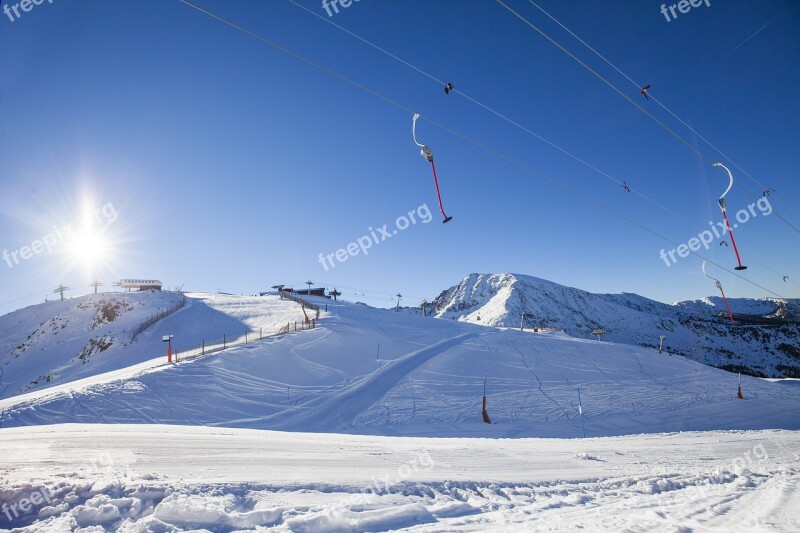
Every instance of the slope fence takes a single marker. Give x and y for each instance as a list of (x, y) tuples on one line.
[(304, 303), (158, 316), (207, 347), (210, 346)]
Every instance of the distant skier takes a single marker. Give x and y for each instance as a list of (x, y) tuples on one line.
[(448, 88), (625, 186), (723, 242), (644, 91), (768, 192)]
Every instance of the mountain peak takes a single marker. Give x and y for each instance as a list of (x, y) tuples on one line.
[(760, 342)]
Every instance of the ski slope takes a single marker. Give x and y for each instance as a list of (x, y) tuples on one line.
[(47, 345), (373, 371), (178, 478), (372, 422)]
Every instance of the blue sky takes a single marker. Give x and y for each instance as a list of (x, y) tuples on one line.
[(229, 165)]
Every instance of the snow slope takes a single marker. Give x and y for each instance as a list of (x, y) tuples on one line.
[(695, 329), (50, 344), (172, 478), (365, 370), (77, 455), (60, 341)]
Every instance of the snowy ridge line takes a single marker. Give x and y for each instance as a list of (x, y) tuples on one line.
[(761, 344), (134, 371), (424, 380), (54, 342), (50, 344), (155, 364)]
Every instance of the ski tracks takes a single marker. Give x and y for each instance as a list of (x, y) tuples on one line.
[(539, 382), (342, 409)]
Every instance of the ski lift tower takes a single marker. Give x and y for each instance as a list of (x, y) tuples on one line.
[(522, 318), (60, 290)]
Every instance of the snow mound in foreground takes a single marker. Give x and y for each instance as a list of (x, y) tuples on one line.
[(170, 478)]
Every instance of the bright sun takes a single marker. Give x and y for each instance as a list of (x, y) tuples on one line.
[(88, 246)]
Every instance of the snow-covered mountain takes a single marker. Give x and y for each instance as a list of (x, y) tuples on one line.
[(764, 342), (49, 344), (191, 445), (63, 340), (366, 370)]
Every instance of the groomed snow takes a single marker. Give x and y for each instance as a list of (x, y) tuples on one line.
[(373, 371), (172, 478), (40, 345), (379, 406)]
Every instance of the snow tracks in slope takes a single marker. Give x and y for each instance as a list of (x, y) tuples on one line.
[(340, 410)]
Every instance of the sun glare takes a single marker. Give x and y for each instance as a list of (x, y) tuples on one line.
[(88, 243), (88, 246)]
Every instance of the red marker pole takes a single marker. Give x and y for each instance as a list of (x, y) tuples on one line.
[(168, 339)]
